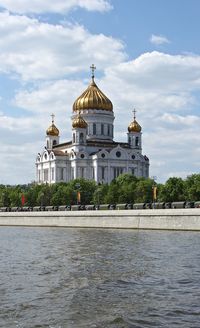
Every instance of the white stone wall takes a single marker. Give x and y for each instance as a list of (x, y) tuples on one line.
[(98, 117), (105, 163), (172, 219), (103, 166)]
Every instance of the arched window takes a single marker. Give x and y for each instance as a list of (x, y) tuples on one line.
[(103, 172), (81, 137), (102, 128), (73, 137), (108, 129), (94, 129), (82, 171), (54, 142), (112, 131), (137, 141)]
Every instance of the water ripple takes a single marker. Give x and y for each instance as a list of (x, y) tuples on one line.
[(71, 278)]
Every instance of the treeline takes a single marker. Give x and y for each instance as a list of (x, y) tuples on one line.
[(124, 189)]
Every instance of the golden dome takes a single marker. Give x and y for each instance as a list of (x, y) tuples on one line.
[(134, 126), (79, 122), (52, 129), (92, 98)]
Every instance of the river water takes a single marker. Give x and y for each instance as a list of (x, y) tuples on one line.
[(71, 278)]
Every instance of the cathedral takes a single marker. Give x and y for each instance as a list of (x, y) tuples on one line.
[(92, 153)]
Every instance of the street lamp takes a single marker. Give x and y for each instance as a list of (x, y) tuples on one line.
[(41, 199), (78, 194), (154, 190)]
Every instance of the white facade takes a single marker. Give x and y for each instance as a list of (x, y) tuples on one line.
[(92, 153)]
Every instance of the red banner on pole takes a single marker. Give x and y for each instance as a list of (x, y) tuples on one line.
[(23, 199)]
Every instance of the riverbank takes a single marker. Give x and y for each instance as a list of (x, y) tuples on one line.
[(167, 219)]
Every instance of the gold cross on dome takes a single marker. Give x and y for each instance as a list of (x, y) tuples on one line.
[(93, 69), (52, 117), (134, 113)]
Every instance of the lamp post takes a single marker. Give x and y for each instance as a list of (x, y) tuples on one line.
[(41, 199), (78, 193), (3, 198), (154, 190)]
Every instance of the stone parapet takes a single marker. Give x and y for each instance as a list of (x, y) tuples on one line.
[(166, 219)]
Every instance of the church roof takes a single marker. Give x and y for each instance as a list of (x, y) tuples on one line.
[(52, 129), (59, 153), (92, 98), (79, 122), (134, 126)]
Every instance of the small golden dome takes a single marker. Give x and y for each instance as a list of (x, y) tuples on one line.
[(92, 98), (52, 129), (79, 122), (134, 126)]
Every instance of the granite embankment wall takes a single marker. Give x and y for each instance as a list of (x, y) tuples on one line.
[(167, 219)]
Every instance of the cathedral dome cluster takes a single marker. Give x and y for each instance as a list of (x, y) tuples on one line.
[(92, 153)]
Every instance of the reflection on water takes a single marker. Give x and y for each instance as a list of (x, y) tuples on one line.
[(71, 278)]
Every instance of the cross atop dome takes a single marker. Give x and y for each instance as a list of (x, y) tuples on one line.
[(52, 118), (134, 125), (92, 70), (92, 97), (134, 113), (52, 129)]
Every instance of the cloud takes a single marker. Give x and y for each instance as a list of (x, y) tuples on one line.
[(33, 50), (50, 62), (180, 121), (158, 39), (54, 97), (170, 131), (154, 83), (175, 151), (58, 6), (17, 163), (164, 89)]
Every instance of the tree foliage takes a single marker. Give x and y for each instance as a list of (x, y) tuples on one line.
[(126, 188), (173, 190)]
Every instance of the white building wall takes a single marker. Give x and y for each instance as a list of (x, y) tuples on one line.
[(98, 117)]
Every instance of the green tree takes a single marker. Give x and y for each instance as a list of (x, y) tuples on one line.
[(173, 190), (127, 187), (15, 196), (4, 197), (144, 190), (192, 187), (62, 195), (113, 193), (44, 195), (100, 194), (86, 189), (31, 195)]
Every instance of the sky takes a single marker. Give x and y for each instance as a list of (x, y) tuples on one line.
[(147, 55)]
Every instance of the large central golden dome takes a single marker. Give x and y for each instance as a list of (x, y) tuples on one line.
[(92, 98)]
